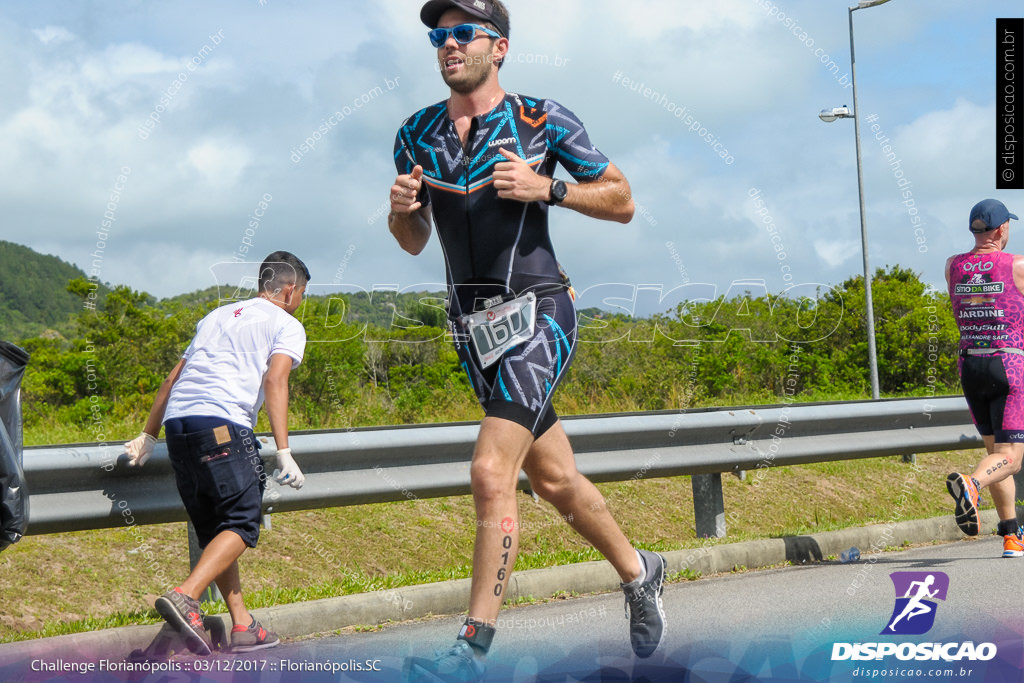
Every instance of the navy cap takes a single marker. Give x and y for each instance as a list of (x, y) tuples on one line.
[(481, 9), (991, 212)]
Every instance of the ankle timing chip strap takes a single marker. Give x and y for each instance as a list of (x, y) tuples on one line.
[(477, 634)]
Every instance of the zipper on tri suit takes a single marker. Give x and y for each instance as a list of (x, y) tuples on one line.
[(466, 151)]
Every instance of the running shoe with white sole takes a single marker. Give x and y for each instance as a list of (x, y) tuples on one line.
[(1013, 544), (644, 608), (965, 492)]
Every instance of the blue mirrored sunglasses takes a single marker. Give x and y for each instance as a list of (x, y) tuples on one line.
[(463, 33)]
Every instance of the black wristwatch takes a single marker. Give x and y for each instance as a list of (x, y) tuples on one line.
[(558, 191)]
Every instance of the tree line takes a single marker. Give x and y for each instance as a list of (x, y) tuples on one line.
[(391, 361)]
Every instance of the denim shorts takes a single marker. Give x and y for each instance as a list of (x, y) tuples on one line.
[(220, 476)]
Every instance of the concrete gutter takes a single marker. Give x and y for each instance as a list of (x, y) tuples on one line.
[(452, 597)]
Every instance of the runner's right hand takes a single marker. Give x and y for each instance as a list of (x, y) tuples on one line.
[(405, 191)]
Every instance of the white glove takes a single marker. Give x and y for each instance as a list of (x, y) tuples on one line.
[(289, 472), (139, 449)]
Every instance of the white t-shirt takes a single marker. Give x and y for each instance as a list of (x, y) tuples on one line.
[(228, 357)]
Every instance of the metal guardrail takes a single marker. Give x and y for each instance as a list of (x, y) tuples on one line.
[(89, 486)]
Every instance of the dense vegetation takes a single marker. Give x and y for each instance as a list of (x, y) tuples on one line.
[(384, 359), (33, 292), (388, 361)]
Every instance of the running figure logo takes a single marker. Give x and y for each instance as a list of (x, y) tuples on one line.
[(914, 612)]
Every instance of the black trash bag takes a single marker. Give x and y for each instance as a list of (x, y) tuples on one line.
[(13, 492)]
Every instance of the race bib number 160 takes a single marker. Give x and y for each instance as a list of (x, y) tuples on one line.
[(498, 329)]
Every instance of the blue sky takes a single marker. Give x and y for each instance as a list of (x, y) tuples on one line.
[(80, 79)]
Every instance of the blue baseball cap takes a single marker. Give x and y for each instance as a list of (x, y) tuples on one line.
[(991, 212)]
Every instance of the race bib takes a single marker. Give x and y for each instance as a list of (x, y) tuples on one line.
[(498, 329)]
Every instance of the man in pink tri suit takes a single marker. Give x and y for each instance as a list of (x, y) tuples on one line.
[(986, 287)]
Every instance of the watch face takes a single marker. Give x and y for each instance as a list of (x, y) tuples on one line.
[(558, 190)]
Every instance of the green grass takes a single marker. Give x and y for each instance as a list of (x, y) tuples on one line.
[(73, 582)]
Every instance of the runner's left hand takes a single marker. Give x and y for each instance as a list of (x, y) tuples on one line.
[(514, 179)]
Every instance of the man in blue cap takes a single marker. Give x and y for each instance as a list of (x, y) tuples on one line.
[(480, 166), (986, 288)]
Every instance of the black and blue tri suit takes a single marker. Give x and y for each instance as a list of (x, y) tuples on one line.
[(495, 246)]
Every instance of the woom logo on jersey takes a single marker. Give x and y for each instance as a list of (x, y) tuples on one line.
[(914, 614), (502, 141)]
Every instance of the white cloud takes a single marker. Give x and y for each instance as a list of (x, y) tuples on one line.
[(54, 34), (220, 163), (85, 82), (835, 252), (944, 147)]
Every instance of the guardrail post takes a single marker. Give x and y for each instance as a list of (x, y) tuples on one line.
[(708, 505), (212, 593)]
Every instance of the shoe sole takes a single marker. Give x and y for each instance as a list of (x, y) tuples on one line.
[(1013, 553), (254, 648), (172, 616), (416, 670), (966, 514)]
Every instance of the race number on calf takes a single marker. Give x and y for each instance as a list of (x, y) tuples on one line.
[(496, 330)]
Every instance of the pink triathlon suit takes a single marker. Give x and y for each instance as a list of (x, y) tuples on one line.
[(989, 311)]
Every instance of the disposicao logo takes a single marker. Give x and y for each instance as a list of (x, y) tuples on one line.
[(915, 608), (914, 614)]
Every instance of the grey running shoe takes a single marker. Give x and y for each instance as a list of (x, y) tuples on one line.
[(643, 606), (458, 664), (252, 637), (183, 613)]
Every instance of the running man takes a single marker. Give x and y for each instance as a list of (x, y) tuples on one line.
[(915, 606), (208, 405), (986, 287), (480, 166)]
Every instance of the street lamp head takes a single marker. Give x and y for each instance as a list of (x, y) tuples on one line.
[(870, 3), (830, 115)]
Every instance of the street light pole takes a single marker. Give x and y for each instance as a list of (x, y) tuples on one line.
[(868, 302)]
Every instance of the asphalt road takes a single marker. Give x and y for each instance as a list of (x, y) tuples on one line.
[(770, 625), (778, 624)]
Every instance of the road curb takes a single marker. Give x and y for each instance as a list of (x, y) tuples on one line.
[(451, 597)]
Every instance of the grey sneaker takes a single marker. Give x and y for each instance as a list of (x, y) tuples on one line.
[(643, 606), (253, 637), (457, 664), (183, 613)]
